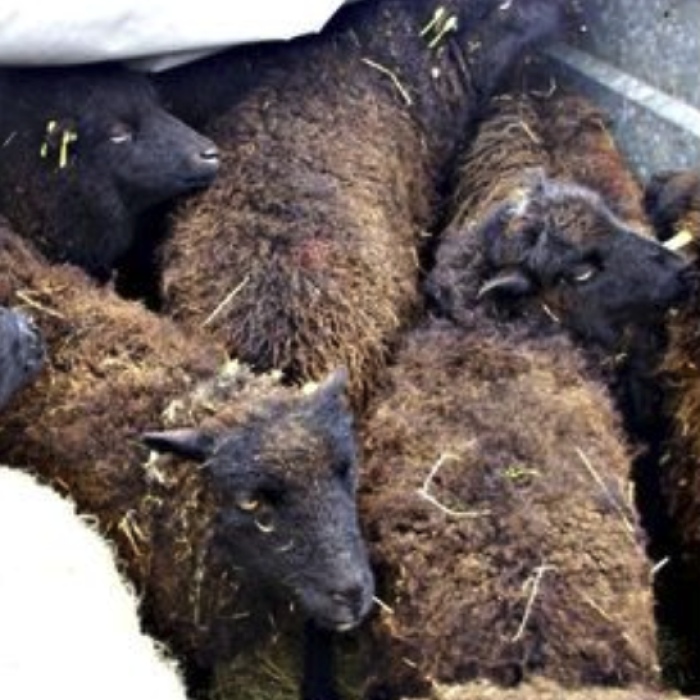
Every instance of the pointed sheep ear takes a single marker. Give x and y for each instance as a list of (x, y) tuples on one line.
[(513, 282), (331, 390), (334, 385), (188, 443)]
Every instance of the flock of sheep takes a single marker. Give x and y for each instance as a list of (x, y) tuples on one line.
[(401, 359)]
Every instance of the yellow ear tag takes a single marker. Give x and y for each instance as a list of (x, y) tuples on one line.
[(681, 240)]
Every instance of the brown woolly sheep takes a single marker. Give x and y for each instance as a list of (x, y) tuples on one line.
[(496, 510), (304, 255), (583, 150), (524, 140), (85, 151), (673, 202), (562, 134), (541, 689), (496, 467), (269, 514)]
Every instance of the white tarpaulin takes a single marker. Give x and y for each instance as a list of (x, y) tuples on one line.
[(41, 32)]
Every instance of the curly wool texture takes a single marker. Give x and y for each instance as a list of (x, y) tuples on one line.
[(114, 372), (541, 689), (70, 626), (304, 255), (583, 150), (561, 135), (535, 568)]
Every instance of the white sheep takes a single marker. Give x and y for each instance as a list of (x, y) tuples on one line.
[(69, 627)]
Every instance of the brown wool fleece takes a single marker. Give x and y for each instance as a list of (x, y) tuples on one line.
[(115, 371), (524, 558), (304, 254), (536, 567), (540, 689), (563, 136), (583, 150)]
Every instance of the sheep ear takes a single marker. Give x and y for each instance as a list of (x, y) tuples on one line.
[(513, 282), (333, 387), (496, 222), (188, 443)]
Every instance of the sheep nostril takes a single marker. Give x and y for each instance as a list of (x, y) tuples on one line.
[(210, 155), (350, 596), (203, 167)]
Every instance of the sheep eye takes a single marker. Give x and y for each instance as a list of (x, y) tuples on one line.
[(248, 503), (121, 133), (583, 273), (259, 509), (258, 500)]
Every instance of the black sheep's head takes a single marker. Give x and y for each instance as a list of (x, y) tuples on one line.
[(21, 352), (89, 149), (562, 251), (285, 490), (107, 122)]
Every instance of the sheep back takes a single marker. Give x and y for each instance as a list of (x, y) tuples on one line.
[(497, 509), (541, 689), (305, 253), (583, 150), (673, 203)]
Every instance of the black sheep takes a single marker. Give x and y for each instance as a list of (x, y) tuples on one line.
[(84, 152)]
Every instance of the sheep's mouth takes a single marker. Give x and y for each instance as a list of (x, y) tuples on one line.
[(339, 623), (199, 181), (342, 617)]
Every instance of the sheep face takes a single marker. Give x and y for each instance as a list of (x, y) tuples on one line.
[(140, 150), (21, 352), (92, 147), (562, 251), (285, 490)]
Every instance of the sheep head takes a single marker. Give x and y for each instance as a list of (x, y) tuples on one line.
[(561, 251), (21, 352), (89, 148), (284, 484)]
